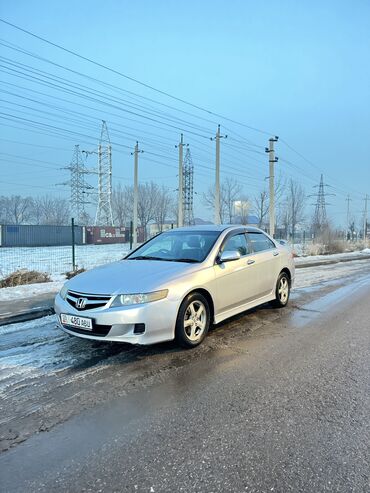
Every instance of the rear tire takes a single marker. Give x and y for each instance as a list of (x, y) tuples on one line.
[(282, 291), (193, 321)]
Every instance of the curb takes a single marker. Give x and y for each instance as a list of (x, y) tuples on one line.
[(27, 316), (43, 312)]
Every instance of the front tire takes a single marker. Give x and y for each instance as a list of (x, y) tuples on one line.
[(282, 291), (193, 321)]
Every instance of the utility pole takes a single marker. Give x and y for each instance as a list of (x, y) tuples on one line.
[(217, 182), (136, 191), (272, 160), (348, 200), (365, 221), (180, 220)]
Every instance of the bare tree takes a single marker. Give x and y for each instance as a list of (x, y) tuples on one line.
[(148, 196), (261, 200), (122, 201), (243, 209), (163, 207), (230, 191), (15, 209), (50, 210), (209, 202), (261, 206), (296, 202)]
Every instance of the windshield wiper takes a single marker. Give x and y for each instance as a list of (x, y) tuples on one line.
[(188, 260), (145, 257)]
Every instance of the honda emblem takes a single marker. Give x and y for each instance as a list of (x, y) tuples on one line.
[(81, 303)]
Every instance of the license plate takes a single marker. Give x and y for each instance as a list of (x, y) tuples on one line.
[(79, 322)]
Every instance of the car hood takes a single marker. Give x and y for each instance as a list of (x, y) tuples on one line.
[(130, 276)]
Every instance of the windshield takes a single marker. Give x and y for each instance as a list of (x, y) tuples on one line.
[(177, 246)]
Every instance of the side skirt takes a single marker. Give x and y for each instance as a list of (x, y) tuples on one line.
[(242, 308)]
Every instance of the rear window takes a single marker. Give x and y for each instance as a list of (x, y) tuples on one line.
[(260, 242)]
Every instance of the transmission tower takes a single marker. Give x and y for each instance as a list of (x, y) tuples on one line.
[(104, 215), (79, 188), (320, 219), (188, 189)]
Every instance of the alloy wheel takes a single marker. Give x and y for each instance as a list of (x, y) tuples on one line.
[(283, 290), (195, 320)]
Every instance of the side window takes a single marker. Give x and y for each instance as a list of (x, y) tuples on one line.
[(260, 242), (237, 242)]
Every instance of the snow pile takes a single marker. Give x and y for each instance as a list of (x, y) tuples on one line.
[(30, 290), (334, 256)]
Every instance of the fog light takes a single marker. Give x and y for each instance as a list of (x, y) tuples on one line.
[(139, 329)]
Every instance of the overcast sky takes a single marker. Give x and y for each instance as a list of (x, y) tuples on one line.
[(300, 70)]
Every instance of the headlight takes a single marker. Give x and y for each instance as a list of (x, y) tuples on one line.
[(137, 299), (63, 292)]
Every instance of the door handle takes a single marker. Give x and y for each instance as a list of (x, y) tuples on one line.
[(275, 254), (250, 262)]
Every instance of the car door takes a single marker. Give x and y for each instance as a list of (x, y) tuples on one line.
[(266, 262), (234, 279)]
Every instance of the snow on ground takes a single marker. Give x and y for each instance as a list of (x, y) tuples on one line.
[(29, 290), (58, 260), (311, 276), (333, 256), (38, 347)]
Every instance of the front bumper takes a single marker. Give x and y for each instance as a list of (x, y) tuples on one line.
[(118, 324)]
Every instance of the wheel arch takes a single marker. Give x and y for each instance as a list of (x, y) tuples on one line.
[(207, 296), (288, 273)]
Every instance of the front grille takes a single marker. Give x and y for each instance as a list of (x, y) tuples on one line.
[(89, 301)]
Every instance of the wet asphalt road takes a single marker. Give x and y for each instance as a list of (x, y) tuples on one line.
[(283, 406)]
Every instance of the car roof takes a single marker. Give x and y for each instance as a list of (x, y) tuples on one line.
[(217, 228)]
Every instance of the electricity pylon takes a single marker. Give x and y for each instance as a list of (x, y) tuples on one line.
[(79, 188), (188, 188), (104, 215), (320, 219)]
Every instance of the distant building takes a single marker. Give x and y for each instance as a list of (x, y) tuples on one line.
[(153, 228), (199, 222), (249, 219)]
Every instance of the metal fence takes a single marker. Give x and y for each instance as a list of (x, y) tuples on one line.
[(23, 235), (57, 250)]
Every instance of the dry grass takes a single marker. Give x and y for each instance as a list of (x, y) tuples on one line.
[(24, 276), (74, 273), (332, 246), (355, 246)]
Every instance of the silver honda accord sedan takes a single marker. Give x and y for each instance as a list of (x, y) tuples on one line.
[(176, 285)]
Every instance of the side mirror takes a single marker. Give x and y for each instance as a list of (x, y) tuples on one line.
[(229, 256)]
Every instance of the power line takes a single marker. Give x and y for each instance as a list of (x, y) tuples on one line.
[(132, 79)]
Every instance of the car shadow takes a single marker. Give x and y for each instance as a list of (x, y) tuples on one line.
[(92, 353)]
